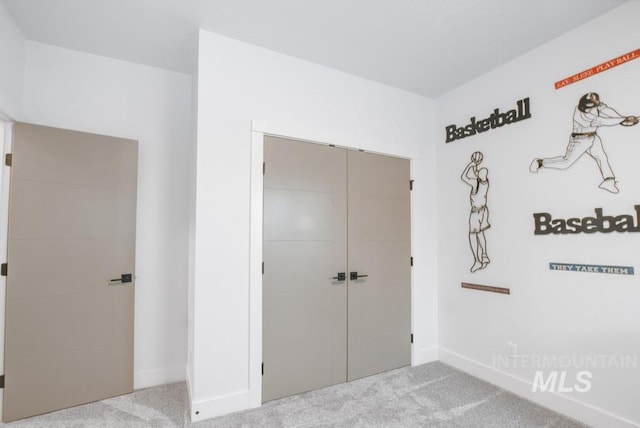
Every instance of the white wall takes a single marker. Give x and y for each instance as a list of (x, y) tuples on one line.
[(239, 84), (12, 50), (74, 90), (192, 236), (548, 313)]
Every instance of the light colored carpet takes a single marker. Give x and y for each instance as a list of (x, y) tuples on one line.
[(431, 395)]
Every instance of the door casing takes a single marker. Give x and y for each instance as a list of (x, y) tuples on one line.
[(4, 228)]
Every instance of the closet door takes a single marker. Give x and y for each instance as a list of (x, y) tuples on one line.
[(304, 249), (331, 211), (379, 237)]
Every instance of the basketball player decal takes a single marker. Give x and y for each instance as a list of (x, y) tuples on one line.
[(589, 115), (478, 179)]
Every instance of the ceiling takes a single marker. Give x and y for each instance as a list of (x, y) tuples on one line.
[(423, 46)]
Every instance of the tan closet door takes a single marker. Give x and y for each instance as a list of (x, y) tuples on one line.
[(304, 308), (69, 327), (379, 247)]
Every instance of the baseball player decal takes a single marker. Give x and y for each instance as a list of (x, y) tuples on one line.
[(589, 115), (478, 180)]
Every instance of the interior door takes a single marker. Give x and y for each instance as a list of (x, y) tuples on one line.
[(379, 225), (304, 248), (69, 310), (331, 211)]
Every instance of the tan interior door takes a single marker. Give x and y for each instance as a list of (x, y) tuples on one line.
[(304, 247), (327, 211), (380, 248), (69, 315)]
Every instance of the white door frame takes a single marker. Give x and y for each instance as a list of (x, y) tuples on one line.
[(5, 173), (258, 130)]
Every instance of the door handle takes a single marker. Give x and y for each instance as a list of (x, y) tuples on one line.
[(124, 278), (354, 276), (342, 276)]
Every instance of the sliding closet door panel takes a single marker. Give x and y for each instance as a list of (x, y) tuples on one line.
[(379, 240), (304, 247)]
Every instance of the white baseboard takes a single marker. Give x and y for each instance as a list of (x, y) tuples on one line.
[(148, 378), (560, 403), (425, 355), (218, 406), (187, 376)]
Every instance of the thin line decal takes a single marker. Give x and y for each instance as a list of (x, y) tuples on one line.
[(500, 290)]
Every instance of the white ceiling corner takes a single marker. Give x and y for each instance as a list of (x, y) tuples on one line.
[(423, 46)]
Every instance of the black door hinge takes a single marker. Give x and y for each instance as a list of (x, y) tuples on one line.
[(264, 168), (412, 261), (262, 369), (8, 159), (411, 337), (3, 269), (2, 382), (263, 268), (411, 184)]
